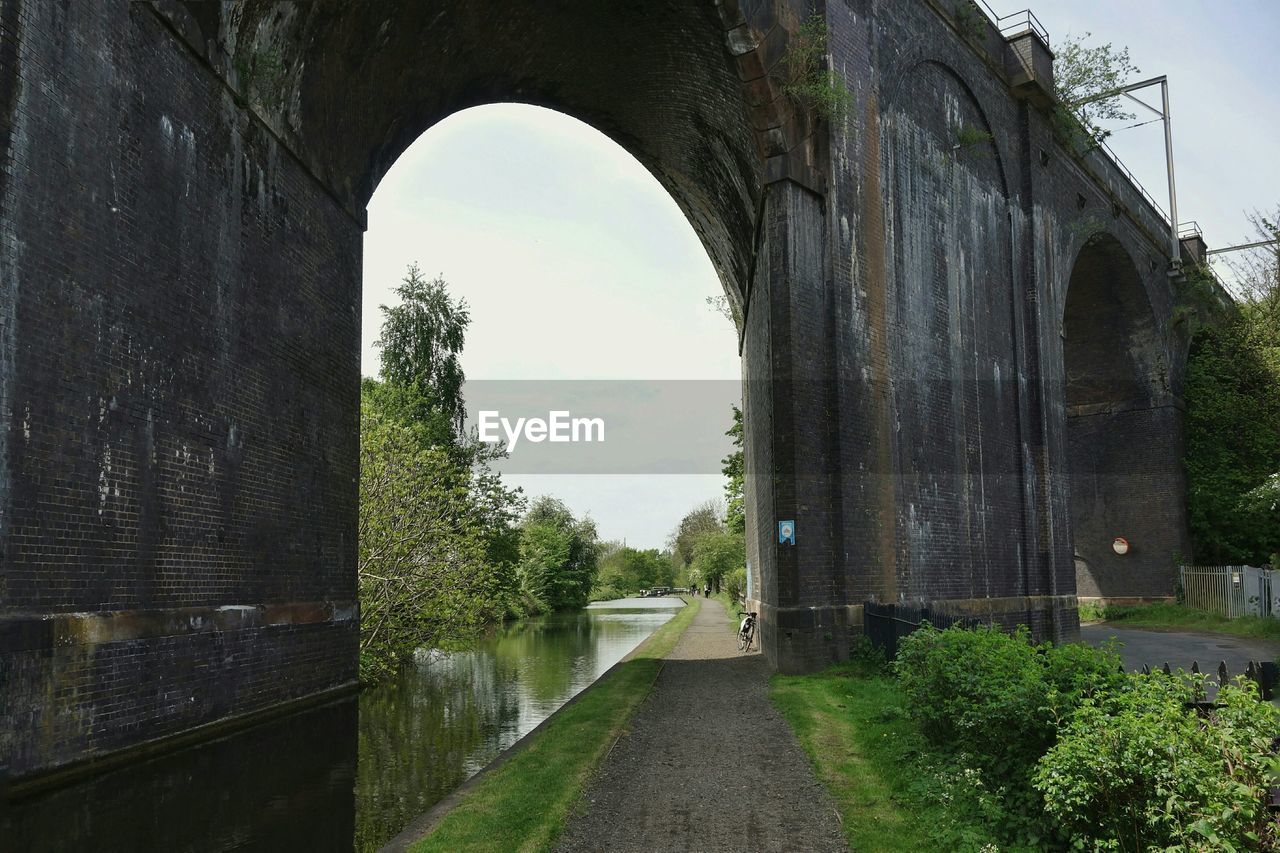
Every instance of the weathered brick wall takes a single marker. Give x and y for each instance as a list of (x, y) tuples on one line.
[(950, 254), (180, 384), (180, 253)]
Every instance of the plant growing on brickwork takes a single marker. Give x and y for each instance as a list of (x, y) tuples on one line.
[(261, 76), (1081, 75), (1087, 227), (970, 20), (809, 84), (1197, 298), (970, 138)]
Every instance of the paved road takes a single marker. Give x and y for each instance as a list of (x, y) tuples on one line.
[(1180, 648), (676, 782)]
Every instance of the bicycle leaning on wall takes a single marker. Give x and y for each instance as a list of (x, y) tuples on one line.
[(746, 631)]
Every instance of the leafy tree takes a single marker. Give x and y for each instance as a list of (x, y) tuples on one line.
[(625, 571), (1257, 271), (438, 543), (424, 578), (498, 509), (420, 342), (1233, 441), (557, 557), (716, 554), (706, 517), (1080, 75), (1233, 420), (735, 473)]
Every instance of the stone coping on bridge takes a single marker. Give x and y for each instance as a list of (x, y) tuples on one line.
[(29, 631), (96, 763), (850, 615)]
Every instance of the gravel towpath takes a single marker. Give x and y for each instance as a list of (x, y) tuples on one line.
[(708, 763)]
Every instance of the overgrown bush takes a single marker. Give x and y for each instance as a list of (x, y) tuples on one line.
[(735, 583), (1044, 747), (1135, 770), (997, 695), (993, 701), (1233, 440), (1075, 672)]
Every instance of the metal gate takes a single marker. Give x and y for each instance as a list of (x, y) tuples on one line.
[(1230, 591)]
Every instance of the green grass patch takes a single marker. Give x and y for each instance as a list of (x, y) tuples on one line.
[(1180, 617), (867, 752), (731, 608), (523, 804)]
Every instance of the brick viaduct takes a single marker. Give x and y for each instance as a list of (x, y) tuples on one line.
[(960, 356)]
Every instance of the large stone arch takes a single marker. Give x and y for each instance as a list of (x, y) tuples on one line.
[(1123, 429), (349, 86), (183, 194), (183, 189)]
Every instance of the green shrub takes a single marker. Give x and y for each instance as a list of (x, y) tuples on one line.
[(1075, 671), (1135, 770), (868, 659), (993, 700), (1092, 611), (735, 583), (983, 691)]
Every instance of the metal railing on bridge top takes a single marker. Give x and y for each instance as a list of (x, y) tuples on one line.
[(1015, 23)]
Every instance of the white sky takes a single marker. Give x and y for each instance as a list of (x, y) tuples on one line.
[(578, 265), (1223, 63)]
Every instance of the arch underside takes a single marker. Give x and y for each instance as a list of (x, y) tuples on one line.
[(179, 322), (351, 85), (1122, 427)]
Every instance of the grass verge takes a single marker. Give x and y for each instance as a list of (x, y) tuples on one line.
[(523, 804), (866, 752), (731, 608), (1180, 617)]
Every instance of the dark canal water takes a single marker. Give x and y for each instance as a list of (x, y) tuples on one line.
[(347, 775)]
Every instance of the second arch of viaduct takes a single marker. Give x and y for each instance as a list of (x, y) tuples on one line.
[(962, 370)]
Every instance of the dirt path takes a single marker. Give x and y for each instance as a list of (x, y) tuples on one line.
[(708, 765)]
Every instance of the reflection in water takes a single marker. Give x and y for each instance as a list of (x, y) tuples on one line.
[(288, 784), (450, 714), (283, 785)]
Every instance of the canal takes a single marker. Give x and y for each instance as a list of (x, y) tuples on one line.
[(352, 773)]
